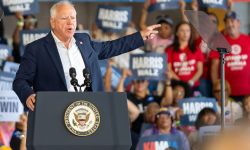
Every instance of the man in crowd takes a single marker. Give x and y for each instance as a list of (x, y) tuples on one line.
[(237, 66)]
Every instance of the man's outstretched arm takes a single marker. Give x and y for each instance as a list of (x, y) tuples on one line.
[(125, 44)]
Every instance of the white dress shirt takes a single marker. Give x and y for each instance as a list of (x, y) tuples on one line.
[(70, 57)]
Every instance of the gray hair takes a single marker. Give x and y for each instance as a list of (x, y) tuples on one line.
[(53, 8)]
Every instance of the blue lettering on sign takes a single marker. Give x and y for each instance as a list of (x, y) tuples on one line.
[(9, 107)]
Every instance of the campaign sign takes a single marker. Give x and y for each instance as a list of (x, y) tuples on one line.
[(116, 73), (6, 80), (25, 6), (192, 106), (163, 5), (159, 142), (113, 19), (213, 3), (28, 36), (10, 67), (10, 106), (150, 66)]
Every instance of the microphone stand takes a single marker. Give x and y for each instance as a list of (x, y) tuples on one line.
[(86, 84), (87, 81), (74, 83)]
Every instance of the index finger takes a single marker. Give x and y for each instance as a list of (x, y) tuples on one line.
[(154, 26)]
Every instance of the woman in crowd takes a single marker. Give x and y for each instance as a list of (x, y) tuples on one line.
[(165, 36), (164, 126), (185, 60)]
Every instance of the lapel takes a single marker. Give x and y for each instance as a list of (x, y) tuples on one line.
[(82, 44), (54, 54)]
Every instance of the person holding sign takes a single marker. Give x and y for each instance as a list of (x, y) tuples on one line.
[(141, 98), (174, 92), (163, 126), (165, 36), (185, 60), (46, 62), (27, 22)]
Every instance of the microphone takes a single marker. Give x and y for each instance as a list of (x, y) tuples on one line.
[(73, 81), (87, 81)]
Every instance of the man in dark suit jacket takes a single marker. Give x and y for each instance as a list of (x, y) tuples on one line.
[(42, 67)]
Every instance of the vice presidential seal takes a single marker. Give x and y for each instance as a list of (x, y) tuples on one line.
[(82, 118)]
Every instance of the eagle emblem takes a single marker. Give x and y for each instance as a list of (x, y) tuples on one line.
[(82, 118)]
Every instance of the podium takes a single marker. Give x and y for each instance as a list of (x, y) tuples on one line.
[(79, 121)]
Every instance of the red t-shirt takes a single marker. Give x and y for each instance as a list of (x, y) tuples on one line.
[(237, 66), (207, 61), (184, 62)]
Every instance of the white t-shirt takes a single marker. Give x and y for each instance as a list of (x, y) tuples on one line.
[(233, 111)]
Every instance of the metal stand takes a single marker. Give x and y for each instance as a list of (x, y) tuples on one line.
[(222, 52)]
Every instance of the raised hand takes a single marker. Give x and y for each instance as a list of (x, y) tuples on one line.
[(150, 31)]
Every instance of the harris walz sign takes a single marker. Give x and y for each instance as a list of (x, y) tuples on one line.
[(213, 4), (163, 5), (113, 19), (150, 66), (192, 106), (25, 6)]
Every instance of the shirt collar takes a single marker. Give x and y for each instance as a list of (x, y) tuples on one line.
[(59, 41)]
